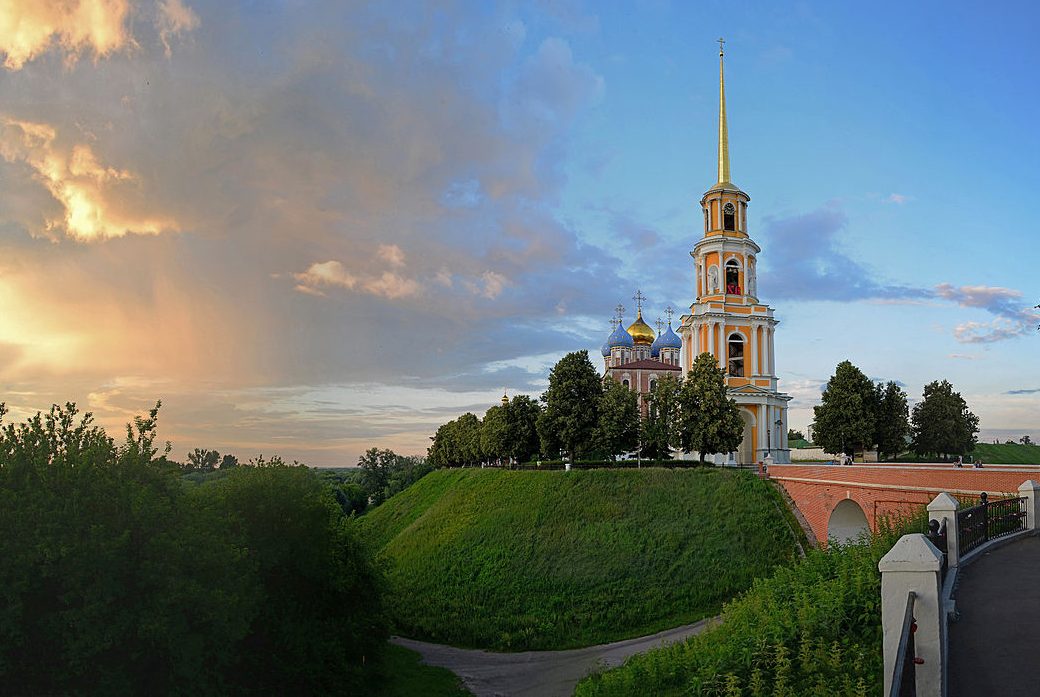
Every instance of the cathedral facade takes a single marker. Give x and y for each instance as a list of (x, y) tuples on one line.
[(727, 320)]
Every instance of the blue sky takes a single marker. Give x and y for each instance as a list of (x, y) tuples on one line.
[(313, 228)]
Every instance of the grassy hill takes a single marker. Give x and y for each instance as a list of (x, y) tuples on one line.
[(524, 560), (1006, 454)]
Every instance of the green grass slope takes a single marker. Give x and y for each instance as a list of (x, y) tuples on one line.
[(1006, 454), (549, 560)]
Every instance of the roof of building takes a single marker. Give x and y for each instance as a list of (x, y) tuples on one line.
[(619, 337), (646, 364), (667, 339), (640, 331)]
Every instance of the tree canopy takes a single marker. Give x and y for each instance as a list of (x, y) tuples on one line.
[(942, 424), (845, 419), (658, 427), (708, 419), (572, 403), (618, 429), (891, 423)]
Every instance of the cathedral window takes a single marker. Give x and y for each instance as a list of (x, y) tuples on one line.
[(625, 383), (736, 355), (729, 217), (732, 277)]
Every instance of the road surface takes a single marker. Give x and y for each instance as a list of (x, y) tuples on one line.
[(538, 673)]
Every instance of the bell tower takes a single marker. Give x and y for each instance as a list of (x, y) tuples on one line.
[(726, 317)]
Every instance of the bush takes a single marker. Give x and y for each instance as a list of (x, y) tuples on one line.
[(116, 578), (810, 629)]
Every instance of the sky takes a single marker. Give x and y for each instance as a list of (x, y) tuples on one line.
[(312, 228)]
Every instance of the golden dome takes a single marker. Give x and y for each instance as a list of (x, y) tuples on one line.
[(640, 332)]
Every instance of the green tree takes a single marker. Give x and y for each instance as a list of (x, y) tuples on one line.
[(892, 421), (618, 428), (203, 460), (112, 581), (657, 428), (523, 415), (572, 404), (845, 421), (792, 434), (708, 420), (942, 423), (228, 461), (376, 469), (318, 618), (494, 434), (1025, 440), (467, 437)]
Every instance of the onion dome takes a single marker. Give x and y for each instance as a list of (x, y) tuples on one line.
[(668, 339), (605, 349), (619, 337), (641, 332)]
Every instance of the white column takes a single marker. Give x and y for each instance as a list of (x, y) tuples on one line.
[(912, 565), (753, 345), (944, 507), (1030, 490), (768, 413), (722, 344), (772, 362), (761, 427), (783, 428), (743, 286)]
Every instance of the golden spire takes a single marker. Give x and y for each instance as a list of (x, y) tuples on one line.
[(723, 133)]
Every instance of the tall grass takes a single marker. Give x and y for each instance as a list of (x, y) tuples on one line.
[(549, 560), (810, 629)]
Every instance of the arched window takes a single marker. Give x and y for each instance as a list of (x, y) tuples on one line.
[(736, 355), (625, 383), (729, 217), (732, 277), (653, 384)]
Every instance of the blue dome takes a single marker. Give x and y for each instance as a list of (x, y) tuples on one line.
[(619, 337), (606, 348), (667, 339)]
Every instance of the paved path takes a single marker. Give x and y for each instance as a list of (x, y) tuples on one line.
[(994, 644), (538, 673)]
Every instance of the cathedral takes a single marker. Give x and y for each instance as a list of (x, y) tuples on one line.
[(726, 319)]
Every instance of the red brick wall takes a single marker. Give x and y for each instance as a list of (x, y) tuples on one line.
[(887, 490)]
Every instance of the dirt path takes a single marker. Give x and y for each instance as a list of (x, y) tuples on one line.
[(538, 673)]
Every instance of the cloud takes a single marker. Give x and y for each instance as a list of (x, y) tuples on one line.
[(1034, 391), (391, 254), (963, 356), (174, 18), (1013, 319), (899, 199), (30, 28), (806, 261), (93, 196)]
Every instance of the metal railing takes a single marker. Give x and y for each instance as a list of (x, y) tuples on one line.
[(904, 675), (988, 521), (937, 536)]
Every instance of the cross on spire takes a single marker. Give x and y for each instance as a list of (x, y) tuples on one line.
[(669, 310), (721, 41), (639, 298), (659, 325)]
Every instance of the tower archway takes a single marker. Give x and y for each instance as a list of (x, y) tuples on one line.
[(847, 522)]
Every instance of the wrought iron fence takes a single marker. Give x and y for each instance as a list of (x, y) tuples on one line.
[(988, 521), (937, 536), (904, 672)]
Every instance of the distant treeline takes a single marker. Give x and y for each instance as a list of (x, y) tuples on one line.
[(118, 579)]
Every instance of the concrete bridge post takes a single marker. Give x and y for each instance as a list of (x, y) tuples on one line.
[(944, 507), (912, 565), (1030, 490)]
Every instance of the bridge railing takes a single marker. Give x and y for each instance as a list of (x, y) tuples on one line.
[(904, 675), (917, 579), (989, 520)]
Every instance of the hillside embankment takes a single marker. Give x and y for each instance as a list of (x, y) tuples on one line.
[(550, 560)]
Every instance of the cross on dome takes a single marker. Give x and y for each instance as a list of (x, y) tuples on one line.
[(721, 41), (639, 298), (659, 324), (619, 313), (669, 310)]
